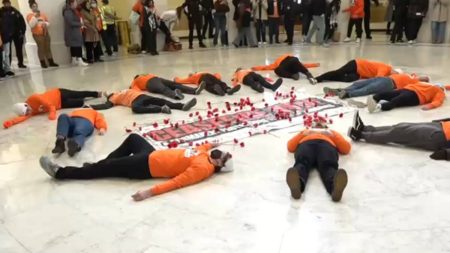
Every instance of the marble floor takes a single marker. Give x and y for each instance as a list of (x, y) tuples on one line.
[(397, 200)]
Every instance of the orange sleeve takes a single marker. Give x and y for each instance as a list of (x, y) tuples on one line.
[(51, 108), (204, 147), (311, 65), (14, 121), (438, 99), (342, 144), (384, 71), (100, 122), (293, 143), (265, 67), (186, 80), (189, 177)]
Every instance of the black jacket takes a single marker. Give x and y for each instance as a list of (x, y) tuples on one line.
[(318, 7), (13, 24), (417, 8), (194, 8), (290, 9)]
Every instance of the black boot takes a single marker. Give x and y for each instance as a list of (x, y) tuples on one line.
[(60, 146), (51, 63), (43, 64), (73, 147)]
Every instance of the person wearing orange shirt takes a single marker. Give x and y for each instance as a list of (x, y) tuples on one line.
[(376, 85), (254, 80), (429, 95), (75, 128), (356, 11), (135, 158), (433, 136), (38, 22), (158, 85), (318, 147), (358, 69), (140, 103), (49, 102), (212, 83), (289, 66)]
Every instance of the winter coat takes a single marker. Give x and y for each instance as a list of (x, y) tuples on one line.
[(439, 10), (417, 8), (72, 28), (90, 22), (260, 9), (13, 24)]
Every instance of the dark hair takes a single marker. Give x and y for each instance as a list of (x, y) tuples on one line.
[(136, 76), (31, 2), (216, 154)]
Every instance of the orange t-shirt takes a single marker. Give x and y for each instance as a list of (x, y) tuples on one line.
[(49, 101), (428, 93), (238, 77), (356, 10), (370, 69), (332, 137), (446, 128), (139, 8), (402, 80), (278, 61), (40, 28), (140, 83), (92, 115), (125, 97), (184, 167), (195, 78)]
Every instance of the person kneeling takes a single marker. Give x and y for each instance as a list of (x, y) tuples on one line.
[(135, 158), (256, 81), (318, 147)]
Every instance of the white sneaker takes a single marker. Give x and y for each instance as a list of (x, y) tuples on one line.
[(74, 61), (411, 42), (372, 105), (81, 63), (358, 40), (347, 39)]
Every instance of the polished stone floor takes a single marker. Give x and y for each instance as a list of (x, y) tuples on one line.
[(397, 200)]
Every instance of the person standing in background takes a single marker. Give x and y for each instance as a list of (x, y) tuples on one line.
[(389, 17), (139, 9), (91, 35), (400, 10), (109, 27), (38, 22), (260, 16), (208, 19), (73, 37), (417, 10), (150, 28), (318, 8), (14, 27), (221, 9), (289, 10), (331, 23), (356, 10), (306, 17), (367, 17), (438, 20), (274, 11), (194, 12), (243, 25)]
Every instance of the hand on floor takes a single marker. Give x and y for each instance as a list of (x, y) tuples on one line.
[(141, 195)]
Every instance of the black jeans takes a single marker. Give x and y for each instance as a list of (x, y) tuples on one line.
[(397, 98), (74, 99), (76, 52), (355, 22), (367, 19), (254, 80), (149, 40), (399, 24), (109, 37), (129, 160), (167, 88), (93, 51), (347, 73), (18, 44), (214, 85), (149, 104), (274, 29), (208, 23), (317, 154), (289, 23), (413, 27), (261, 30), (291, 66), (197, 22)]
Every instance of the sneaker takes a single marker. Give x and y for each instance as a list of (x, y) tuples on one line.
[(190, 104), (410, 42), (296, 76), (166, 109), (259, 88), (358, 40), (178, 94), (73, 147), (233, 90), (347, 39), (218, 90), (358, 124), (294, 183), (277, 84), (10, 73), (371, 104), (342, 94), (354, 134), (339, 183), (22, 66), (50, 167), (200, 88), (356, 103), (330, 92), (60, 146), (81, 63), (369, 37), (312, 80), (201, 45)]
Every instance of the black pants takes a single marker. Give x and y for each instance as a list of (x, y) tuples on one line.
[(274, 29), (109, 37), (129, 160), (2, 72), (76, 52), (163, 27), (255, 80), (367, 30), (74, 99), (317, 154), (214, 85), (397, 98), (399, 25), (289, 23), (18, 44), (93, 51), (208, 23), (167, 88), (291, 66), (413, 27), (261, 30), (347, 73), (355, 22), (329, 29), (306, 23), (149, 104), (197, 23), (149, 40)]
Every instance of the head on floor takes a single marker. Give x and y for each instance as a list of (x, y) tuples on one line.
[(221, 160)]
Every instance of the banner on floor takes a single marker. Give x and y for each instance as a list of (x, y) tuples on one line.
[(237, 125)]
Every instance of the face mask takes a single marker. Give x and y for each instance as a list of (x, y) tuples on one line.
[(228, 166)]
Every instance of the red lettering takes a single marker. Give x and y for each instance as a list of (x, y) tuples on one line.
[(160, 135), (189, 129)]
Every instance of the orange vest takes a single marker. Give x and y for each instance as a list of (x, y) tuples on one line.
[(44, 102), (428, 93), (370, 69), (92, 115), (334, 138), (278, 61), (39, 29), (402, 80), (125, 97), (140, 83), (238, 77), (446, 128), (195, 78)]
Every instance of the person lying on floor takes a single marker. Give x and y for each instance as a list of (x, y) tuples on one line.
[(256, 81), (318, 147), (376, 85), (212, 83), (75, 128), (289, 66), (157, 85), (358, 69), (49, 102), (139, 102), (433, 136), (135, 158), (429, 95)]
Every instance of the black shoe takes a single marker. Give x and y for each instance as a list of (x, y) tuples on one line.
[(400, 41), (233, 90), (312, 80), (99, 60), (296, 76), (202, 45), (10, 73), (178, 94), (191, 47), (52, 63), (200, 88), (22, 66), (339, 183), (358, 124), (369, 37), (44, 65), (294, 183), (60, 146), (190, 104), (354, 134), (218, 90), (277, 84), (259, 88), (166, 109), (73, 147)]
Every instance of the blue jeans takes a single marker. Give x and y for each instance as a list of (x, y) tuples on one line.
[(220, 21), (438, 32), (74, 127), (370, 86)]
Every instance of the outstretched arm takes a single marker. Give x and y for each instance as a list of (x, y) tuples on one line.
[(14, 121)]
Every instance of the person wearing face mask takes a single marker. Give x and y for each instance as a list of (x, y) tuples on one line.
[(135, 158), (91, 33), (317, 147), (13, 31), (39, 24), (73, 37)]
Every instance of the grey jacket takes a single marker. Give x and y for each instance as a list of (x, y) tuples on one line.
[(439, 10), (72, 28)]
